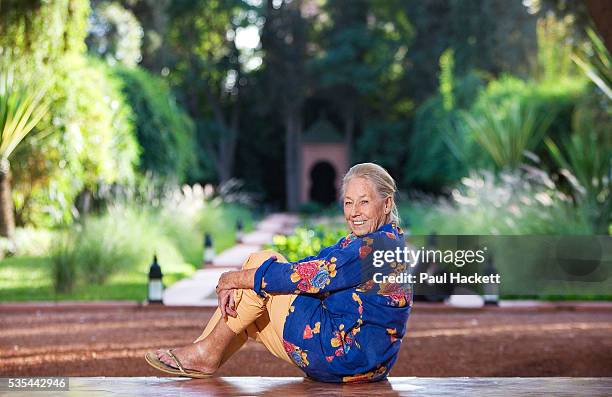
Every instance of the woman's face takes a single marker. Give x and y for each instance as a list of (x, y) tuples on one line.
[(364, 210)]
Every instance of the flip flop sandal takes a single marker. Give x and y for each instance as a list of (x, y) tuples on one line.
[(153, 361)]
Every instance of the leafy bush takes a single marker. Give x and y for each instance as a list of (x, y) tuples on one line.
[(33, 242), (552, 96), (506, 133), (87, 139), (584, 159), (64, 264), (187, 213), (164, 130), (440, 150), (305, 242), (123, 239)]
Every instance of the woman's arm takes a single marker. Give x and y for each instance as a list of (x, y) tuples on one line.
[(238, 279)]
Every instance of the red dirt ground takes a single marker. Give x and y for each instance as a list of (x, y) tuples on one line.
[(111, 341)]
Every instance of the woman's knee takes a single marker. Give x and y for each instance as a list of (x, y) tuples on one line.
[(257, 258)]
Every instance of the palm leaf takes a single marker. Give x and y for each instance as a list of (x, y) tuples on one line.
[(22, 106), (598, 67)]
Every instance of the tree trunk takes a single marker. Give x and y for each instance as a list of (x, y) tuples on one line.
[(7, 218), (349, 131), (292, 177)]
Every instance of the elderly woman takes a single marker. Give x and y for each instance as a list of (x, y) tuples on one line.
[(324, 313)]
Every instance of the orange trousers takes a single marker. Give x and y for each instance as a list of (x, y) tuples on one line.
[(262, 319)]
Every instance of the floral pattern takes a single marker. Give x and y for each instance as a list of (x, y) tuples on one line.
[(312, 276), (299, 356), (396, 293), (309, 331)]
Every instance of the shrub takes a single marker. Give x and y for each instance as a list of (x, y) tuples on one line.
[(526, 201), (164, 130), (306, 242), (64, 264), (87, 139), (34, 242), (557, 96), (585, 161), (440, 150), (506, 133)]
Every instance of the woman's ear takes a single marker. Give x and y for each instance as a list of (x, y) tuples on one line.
[(388, 204)]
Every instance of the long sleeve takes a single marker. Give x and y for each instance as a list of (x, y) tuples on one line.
[(335, 268)]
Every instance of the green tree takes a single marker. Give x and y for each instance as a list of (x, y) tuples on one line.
[(284, 41), (363, 46), (86, 139), (164, 131), (210, 70), (114, 34)]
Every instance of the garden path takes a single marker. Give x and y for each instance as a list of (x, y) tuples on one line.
[(199, 289)]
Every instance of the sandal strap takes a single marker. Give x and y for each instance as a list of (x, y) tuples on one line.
[(178, 363)]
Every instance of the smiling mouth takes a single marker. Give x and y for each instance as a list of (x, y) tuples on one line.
[(358, 223)]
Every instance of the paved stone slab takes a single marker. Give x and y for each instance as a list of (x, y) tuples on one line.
[(259, 237), (294, 386), (235, 256), (197, 290)]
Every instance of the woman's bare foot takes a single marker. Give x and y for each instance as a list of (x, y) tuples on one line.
[(205, 355), (191, 357)]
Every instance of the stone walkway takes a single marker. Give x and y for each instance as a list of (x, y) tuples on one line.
[(199, 290)]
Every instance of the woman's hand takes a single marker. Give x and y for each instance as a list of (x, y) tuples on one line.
[(227, 304), (226, 281), (237, 279)]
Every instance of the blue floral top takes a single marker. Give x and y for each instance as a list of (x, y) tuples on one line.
[(343, 326)]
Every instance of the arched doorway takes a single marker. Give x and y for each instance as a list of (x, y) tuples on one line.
[(322, 183)]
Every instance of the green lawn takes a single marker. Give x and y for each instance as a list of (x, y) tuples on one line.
[(28, 279)]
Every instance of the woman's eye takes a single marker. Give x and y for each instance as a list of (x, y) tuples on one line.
[(364, 202)]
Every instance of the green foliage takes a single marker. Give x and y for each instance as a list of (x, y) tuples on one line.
[(115, 34), (165, 132), (88, 140), (306, 242), (506, 133), (492, 36), (29, 278), (43, 31), (598, 66), (384, 143), (33, 242), (513, 203), (554, 48), (22, 106), (512, 115), (64, 264), (447, 64), (440, 151), (585, 159), (124, 239)]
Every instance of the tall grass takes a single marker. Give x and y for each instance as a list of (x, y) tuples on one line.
[(124, 238), (513, 203), (507, 132)]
